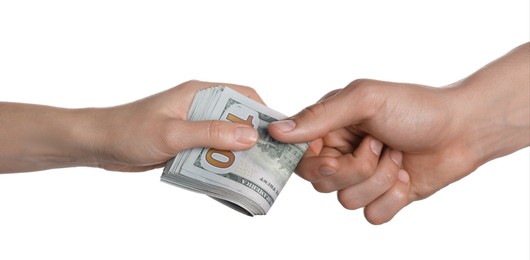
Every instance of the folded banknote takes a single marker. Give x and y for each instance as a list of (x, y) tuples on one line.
[(248, 181)]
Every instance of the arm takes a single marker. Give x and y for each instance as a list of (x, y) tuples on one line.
[(495, 106), (35, 137), (444, 133), (138, 136)]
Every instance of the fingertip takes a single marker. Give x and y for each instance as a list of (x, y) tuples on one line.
[(375, 218), (403, 176), (368, 147), (376, 146), (315, 147), (396, 157), (285, 131), (284, 126), (309, 124)]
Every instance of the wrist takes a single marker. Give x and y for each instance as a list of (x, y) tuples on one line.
[(73, 138), (493, 106), (490, 121), (89, 132)]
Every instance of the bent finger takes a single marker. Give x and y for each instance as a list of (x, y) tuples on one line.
[(383, 179), (384, 208), (318, 168), (353, 168)]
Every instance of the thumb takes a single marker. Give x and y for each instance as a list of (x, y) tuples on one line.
[(317, 120), (214, 134)]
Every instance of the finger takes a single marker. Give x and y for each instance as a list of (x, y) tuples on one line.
[(130, 168), (335, 144), (183, 134), (329, 175), (185, 92), (342, 140), (385, 176), (316, 169), (247, 91), (354, 168), (327, 115), (314, 149), (384, 208)]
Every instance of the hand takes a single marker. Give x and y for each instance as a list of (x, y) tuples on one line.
[(138, 136), (444, 133), (146, 133)]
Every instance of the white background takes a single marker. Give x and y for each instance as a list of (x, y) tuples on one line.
[(103, 53)]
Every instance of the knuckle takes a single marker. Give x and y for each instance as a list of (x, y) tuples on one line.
[(386, 178), (314, 111), (166, 133), (422, 186), (330, 94), (364, 169), (375, 218), (324, 187), (422, 191), (190, 82), (194, 81), (347, 201), (307, 171), (252, 93), (214, 131), (400, 196), (360, 83), (364, 88), (305, 174), (250, 90), (171, 138), (367, 92)]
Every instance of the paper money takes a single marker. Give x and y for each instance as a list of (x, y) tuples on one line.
[(248, 181)]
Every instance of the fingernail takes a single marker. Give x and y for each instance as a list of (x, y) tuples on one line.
[(285, 125), (246, 135), (376, 146), (396, 156), (326, 170), (403, 176)]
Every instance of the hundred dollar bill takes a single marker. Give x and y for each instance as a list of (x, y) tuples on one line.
[(248, 181)]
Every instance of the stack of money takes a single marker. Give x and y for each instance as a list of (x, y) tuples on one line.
[(248, 181)]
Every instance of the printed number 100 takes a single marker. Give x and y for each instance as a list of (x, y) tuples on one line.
[(215, 156)]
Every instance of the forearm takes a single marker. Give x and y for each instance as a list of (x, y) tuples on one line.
[(495, 106), (34, 137)]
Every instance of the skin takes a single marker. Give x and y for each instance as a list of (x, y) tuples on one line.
[(137, 136), (443, 134)]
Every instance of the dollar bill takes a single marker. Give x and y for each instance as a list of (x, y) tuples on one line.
[(248, 181)]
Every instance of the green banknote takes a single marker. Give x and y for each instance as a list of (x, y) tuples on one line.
[(248, 181)]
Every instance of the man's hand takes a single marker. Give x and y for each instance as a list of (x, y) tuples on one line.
[(444, 134)]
